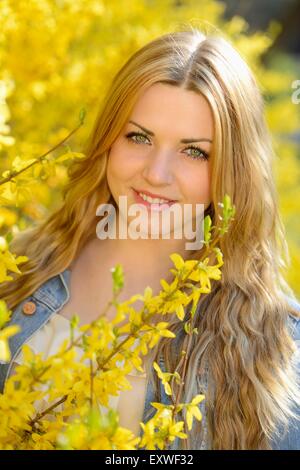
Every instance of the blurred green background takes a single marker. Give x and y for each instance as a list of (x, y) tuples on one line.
[(58, 56)]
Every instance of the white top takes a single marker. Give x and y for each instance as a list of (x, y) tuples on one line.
[(46, 341)]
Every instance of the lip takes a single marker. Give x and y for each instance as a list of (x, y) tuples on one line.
[(154, 195), (154, 206)]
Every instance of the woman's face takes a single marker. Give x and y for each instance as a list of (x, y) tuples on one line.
[(153, 152)]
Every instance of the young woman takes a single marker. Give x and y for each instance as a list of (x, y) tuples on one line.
[(182, 121)]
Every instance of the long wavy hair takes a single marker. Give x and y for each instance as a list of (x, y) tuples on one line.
[(243, 342)]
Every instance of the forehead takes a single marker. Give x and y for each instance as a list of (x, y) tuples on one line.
[(165, 106)]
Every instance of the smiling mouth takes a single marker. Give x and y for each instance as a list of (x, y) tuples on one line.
[(146, 196), (155, 205)]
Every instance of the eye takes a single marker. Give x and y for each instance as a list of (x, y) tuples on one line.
[(139, 138), (199, 153), (130, 136)]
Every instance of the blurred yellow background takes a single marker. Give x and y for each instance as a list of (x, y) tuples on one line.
[(58, 56)]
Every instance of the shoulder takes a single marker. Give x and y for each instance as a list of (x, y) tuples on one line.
[(32, 313), (34, 310), (289, 439), (54, 291)]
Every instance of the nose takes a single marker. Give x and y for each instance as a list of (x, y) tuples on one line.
[(159, 168)]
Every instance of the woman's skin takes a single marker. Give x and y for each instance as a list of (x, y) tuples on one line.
[(162, 165)]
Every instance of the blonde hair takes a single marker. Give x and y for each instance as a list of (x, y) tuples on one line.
[(243, 339)]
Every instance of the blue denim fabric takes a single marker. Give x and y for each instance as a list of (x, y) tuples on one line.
[(52, 295)]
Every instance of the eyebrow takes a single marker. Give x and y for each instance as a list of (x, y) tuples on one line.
[(183, 141)]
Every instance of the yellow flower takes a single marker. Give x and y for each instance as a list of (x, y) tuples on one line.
[(177, 260), (124, 439), (70, 156), (161, 429), (158, 331), (148, 437), (180, 312), (193, 411), (165, 378), (4, 313), (175, 431), (8, 262), (5, 334)]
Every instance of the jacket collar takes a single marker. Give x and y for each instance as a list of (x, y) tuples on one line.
[(55, 291)]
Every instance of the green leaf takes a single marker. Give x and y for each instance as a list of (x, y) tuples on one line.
[(207, 228), (9, 237), (82, 114), (74, 321), (226, 203), (118, 277)]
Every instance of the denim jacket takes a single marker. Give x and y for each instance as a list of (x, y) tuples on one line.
[(50, 297)]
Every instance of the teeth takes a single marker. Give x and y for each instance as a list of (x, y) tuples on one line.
[(152, 200)]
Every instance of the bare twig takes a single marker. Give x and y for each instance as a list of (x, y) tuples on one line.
[(13, 174)]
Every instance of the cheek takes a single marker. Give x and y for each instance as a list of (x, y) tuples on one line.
[(121, 163), (197, 185)]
